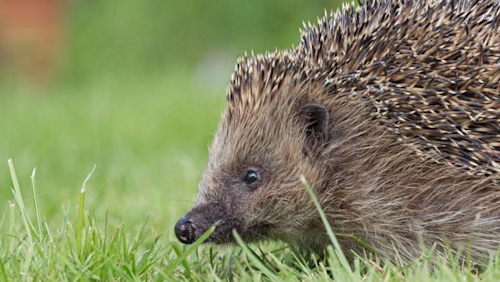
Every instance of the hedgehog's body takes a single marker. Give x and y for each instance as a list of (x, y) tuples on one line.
[(390, 111)]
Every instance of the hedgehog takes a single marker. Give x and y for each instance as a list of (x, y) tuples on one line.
[(390, 111)]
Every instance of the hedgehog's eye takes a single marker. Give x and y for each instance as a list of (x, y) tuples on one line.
[(251, 177)]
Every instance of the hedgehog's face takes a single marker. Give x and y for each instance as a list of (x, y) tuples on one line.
[(252, 182)]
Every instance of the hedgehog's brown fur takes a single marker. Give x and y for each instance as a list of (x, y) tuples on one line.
[(411, 153)]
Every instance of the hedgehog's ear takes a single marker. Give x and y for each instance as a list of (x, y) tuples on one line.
[(316, 119)]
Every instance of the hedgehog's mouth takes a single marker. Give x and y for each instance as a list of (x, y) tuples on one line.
[(224, 232), (197, 221)]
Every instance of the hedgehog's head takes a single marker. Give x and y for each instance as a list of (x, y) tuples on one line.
[(270, 135)]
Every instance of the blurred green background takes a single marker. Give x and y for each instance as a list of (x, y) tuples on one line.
[(136, 87)]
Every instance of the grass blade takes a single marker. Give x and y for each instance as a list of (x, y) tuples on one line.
[(258, 262), (20, 202), (81, 213), (184, 262), (35, 200), (329, 231)]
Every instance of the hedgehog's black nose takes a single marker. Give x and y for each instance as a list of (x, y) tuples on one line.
[(184, 230)]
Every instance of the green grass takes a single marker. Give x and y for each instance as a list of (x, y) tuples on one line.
[(147, 140)]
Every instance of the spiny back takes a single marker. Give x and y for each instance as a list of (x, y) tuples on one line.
[(429, 70), (255, 80)]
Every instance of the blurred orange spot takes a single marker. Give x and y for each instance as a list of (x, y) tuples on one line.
[(31, 37)]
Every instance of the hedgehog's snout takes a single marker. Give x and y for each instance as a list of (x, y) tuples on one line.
[(200, 218), (185, 230)]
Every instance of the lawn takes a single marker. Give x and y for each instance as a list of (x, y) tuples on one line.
[(148, 139)]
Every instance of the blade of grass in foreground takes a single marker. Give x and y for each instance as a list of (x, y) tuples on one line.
[(259, 263), (338, 250), (20, 202), (187, 268), (35, 200), (81, 213), (171, 266), (28, 226)]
